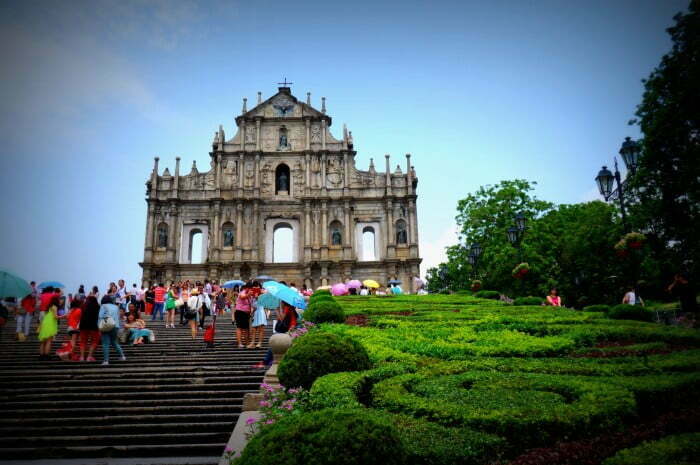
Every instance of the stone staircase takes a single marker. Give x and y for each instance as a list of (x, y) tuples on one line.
[(172, 401)]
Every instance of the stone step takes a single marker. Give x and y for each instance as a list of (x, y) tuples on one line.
[(117, 411), (75, 418), (120, 429), (157, 436), (126, 402), (141, 450)]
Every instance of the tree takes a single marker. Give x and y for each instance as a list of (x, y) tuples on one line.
[(667, 182)]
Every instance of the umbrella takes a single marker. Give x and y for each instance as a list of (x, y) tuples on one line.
[(53, 284), (285, 294), (323, 288), (418, 282), (339, 289), (264, 278), (233, 283), (397, 290), (268, 300), (13, 286), (371, 283), (394, 281), (354, 284)]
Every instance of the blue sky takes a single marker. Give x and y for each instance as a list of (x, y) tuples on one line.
[(477, 92)]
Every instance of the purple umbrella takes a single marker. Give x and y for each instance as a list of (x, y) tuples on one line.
[(354, 284), (339, 289)]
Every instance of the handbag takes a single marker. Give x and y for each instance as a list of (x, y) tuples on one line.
[(190, 313), (179, 302), (281, 326), (106, 324)]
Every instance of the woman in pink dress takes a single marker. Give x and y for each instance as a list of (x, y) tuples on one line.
[(553, 299)]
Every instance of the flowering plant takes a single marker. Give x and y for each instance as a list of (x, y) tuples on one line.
[(634, 240), (303, 328), (476, 285), (276, 403), (521, 270)]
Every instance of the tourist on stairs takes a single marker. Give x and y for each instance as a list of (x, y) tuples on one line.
[(109, 329), (258, 324), (88, 328), (48, 328), (158, 301), (172, 296), (242, 316), (137, 330), (194, 303)]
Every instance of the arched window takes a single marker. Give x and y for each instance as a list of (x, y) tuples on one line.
[(368, 244), (401, 233), (336, 233), (227, 234), (282, 179), (195, 252), (162, 239), (283, 243)]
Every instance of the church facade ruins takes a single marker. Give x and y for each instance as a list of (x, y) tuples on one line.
[(282, 173)]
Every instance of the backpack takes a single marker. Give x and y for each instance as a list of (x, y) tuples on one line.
[(106, 324)]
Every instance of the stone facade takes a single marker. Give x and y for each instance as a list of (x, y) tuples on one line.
[(283, 169)]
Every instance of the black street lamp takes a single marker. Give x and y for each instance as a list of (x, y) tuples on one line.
[(516, 233), (629, 151), (473, 257)]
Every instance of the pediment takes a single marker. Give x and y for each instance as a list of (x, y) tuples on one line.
[(283, 105)]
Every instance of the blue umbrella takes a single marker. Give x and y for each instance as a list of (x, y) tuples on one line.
[(285, 294), (233, 283), (53, 284), (394, 281), (13, 286), (397, 290), (268, 300), (264, 278)]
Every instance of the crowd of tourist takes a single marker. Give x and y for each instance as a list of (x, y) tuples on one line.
[(119, 315)]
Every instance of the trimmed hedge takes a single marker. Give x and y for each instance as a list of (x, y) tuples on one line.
[(323, 311), (488, 295), (326, 437), (597, 308), (521, 301), (630, 312), (528, 410), (317, 354), (680, 449), (320, 292)]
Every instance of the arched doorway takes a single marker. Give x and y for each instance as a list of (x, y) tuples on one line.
[(283, 243), (195, 252), (368, 244)]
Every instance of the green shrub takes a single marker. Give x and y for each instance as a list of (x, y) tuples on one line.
[(680, 449), (520, 301), (324, 312), (321, 298), (630, 312), (331, 436), (463, 292), (317, 354), (488, 295), (597, 308), (320, 292)]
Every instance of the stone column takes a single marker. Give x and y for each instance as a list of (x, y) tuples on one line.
[(346, 171), (388, 175), (150, 220), (347, 242), (324, 230), (218, 171), (241, 171), (307, 159), (257, 134), (308, 134), (243, 135), (257, 171), (323, 171), (391, 247), (255, 231), (323, 134), (174, 232), (176, 181), (239, 231), (307, 231), (409, 181)]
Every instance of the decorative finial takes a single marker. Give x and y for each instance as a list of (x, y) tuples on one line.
[(323, 104), (308, 98), (259, 97), (245, 104)]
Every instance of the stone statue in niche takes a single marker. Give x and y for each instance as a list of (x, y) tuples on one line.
[(336, 237), (315, 216), (283, 139), (249, 174), (401, 234), (282, 182), (228, 237), (315, 134), (162, 236)]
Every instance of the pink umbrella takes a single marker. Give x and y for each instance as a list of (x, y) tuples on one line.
[(339, 289), (354, 284)]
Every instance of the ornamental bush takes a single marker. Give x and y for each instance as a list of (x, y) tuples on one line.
[(488, 295), (317, 354), (597, 308), (324, 311), (528, 301), (321, 292), (630, 312), (680, 449), (330, 436)]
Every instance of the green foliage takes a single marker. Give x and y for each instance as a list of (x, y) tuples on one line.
[(324, 311), (321, 292), (668, 168), (528, 301), (597, 308), (680, 449), (630, 312), (487, 295), (326, 437), (317, 354)]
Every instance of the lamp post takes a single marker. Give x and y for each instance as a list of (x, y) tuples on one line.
[(473, 257), (629, 151), (515, 235)]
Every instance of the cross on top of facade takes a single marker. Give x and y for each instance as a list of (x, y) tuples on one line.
[(285, 83)]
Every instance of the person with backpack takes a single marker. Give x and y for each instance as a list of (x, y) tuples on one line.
[(108, 324), (88, 328)]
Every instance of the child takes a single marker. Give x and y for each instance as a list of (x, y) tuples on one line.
[(258, 324)]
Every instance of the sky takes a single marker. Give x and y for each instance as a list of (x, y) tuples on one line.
[(477, 92)]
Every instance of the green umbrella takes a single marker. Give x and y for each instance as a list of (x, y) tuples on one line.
[(13, 286)]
